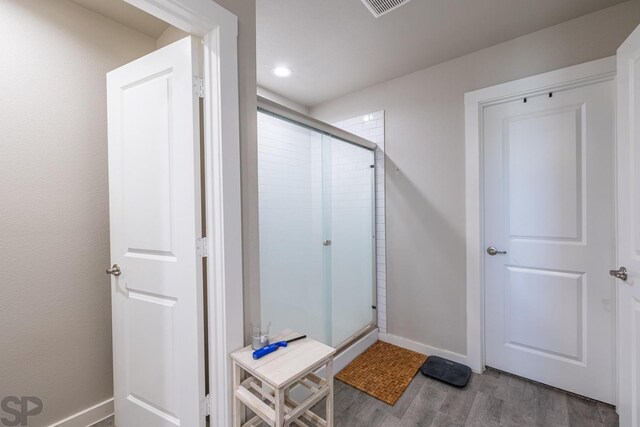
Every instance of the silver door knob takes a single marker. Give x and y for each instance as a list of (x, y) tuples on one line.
[(620, 273), (326, 242), (115, 270), (493, 251)]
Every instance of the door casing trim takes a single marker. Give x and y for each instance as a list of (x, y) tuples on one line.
[(219, 30), (475, 102)]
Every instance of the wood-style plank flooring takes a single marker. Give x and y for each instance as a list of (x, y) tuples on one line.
[(491, 399)]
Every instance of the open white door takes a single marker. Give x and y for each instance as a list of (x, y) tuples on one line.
[(155, 215), (629, 230)]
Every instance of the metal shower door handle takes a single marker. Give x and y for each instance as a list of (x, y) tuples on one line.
[(491, 250), (326, 242)]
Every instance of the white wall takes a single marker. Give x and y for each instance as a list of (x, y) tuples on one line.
[(55, 311), (170, 35), (245, 10), (424, 147), (266, 93)]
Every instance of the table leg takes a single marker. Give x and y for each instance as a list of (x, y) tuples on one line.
[(329, 377), (237, 405), (279, 407)]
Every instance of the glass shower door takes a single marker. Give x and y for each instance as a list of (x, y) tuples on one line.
[(293, 289), (316, 218), (351, 213)]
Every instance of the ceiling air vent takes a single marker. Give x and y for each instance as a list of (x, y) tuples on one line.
[(380, 7)]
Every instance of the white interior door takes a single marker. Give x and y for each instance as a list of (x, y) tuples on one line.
[(629, 229), (155, 216), (549, 198)]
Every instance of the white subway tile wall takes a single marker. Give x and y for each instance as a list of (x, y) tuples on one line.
[(371, 127)]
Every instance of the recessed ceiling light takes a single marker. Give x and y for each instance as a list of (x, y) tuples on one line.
[(282, 71)]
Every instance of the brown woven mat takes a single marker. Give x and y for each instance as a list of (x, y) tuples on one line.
[(383, 371)]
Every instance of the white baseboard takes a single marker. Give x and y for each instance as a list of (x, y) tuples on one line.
[(354, 350), (89, 416), (423, 348)]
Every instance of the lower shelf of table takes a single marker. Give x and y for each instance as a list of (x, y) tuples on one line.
[(262, 402)]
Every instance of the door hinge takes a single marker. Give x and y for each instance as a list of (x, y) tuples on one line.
[(205, 406), (198, 86), (202, 246)]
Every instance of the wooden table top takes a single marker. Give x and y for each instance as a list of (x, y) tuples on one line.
[(286, 364)]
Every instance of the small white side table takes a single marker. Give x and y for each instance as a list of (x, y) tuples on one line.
[(266, 388)]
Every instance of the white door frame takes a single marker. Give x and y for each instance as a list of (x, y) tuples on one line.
[(219, 30), (475, 102)]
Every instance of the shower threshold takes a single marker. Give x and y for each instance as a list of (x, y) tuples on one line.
[(355, 346)]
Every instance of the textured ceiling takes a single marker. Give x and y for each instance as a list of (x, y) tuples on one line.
[(336, 46)]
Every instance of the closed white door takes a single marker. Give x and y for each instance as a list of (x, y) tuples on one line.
[(549, 205), (155, 217), (628, 113)]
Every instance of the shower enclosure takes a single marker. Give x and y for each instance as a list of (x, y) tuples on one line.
[(317, 222)]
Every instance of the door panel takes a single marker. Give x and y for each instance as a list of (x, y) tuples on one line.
[(155, 219), (545, 147), (628, 113), (549, 302), (557, 335), (146, 115)]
